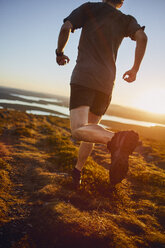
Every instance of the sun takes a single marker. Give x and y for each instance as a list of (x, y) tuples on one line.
[(152, 101)]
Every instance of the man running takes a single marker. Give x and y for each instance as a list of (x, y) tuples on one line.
[(103, 29)]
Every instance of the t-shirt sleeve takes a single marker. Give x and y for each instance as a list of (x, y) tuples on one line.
[(78, 17), (132, 26)]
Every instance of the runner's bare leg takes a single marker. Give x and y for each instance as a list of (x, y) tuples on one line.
[(86, 147), (83, 131)]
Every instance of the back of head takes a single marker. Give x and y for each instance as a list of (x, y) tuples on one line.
[(117, 3)]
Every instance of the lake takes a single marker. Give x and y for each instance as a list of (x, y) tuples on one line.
[(53, 104)]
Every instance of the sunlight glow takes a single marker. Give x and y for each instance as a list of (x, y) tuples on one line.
[(152, 101)]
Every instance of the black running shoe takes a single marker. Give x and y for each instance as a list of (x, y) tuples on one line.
[(121, 146), (76, 176)]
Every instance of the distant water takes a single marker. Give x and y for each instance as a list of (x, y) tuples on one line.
[(35, 98), (63, 111), (57, 108)]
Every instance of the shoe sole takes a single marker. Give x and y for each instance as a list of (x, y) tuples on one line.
[(119, 165), (118, 170)]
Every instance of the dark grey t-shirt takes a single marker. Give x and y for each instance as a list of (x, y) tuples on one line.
[(103, 29)]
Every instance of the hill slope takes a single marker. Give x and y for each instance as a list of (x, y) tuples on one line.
[(40, 209)]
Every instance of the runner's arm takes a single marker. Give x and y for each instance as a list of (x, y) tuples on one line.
[(66, 28), (141, 42)]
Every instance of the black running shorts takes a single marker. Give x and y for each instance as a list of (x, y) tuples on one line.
[(83, 96)]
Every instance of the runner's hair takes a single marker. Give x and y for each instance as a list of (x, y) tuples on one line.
[(115, 1)]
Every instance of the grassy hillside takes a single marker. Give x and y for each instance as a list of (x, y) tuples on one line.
[(40, 209)]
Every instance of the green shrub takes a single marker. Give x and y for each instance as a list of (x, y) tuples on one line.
[(95, 178), (57, 141), (66, 159)]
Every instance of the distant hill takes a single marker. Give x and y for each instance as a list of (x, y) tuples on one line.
[(135, 114), (116, 110)]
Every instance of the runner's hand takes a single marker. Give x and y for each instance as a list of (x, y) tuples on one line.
[(62, 60), (130, 76)]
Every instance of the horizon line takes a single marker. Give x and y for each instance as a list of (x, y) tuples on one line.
[(67, 96)]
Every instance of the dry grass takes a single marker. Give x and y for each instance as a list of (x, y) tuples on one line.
[(39, 207)]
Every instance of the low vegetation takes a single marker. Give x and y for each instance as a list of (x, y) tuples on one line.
[(39, 207)]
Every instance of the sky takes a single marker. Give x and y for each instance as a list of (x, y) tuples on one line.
[(28, 38)]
